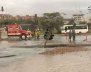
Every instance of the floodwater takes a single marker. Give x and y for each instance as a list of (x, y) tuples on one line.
[(79, 61), (33, 59)]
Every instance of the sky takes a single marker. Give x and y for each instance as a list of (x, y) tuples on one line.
[(31, 7)]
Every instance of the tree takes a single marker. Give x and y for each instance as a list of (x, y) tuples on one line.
[(72, 22), (51, 21)]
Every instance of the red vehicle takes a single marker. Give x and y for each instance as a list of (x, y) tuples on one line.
[(16, 30)]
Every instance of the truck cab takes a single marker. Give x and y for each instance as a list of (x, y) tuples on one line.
[(16, 30)]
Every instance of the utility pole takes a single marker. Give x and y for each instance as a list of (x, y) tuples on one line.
[(89, 11), (2, 9), (36, 21)]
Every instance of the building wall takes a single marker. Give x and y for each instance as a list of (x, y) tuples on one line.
[(79, 17)]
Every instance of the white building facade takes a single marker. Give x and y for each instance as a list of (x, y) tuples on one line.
[(79, 17)]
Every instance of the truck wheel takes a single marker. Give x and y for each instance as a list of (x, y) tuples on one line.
[(23, 37)]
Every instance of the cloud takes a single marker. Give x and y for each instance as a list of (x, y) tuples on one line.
[(23, 7)]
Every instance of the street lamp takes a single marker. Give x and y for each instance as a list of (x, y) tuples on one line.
[(2, 9), (89, 9)]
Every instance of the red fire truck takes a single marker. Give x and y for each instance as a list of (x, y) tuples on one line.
[(16, 30)]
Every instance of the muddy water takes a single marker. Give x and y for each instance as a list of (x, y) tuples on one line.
[(69, 62)]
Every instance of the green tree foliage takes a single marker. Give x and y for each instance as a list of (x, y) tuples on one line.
[(28, 21), (51, 21), (6, 22)]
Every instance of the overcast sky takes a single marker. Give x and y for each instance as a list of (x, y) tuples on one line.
[(23, 7)]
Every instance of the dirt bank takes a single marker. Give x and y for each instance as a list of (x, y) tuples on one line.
[(63, 50)]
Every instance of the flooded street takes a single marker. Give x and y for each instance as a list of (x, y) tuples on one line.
[(57, 59), (68, 62), (45, 36)]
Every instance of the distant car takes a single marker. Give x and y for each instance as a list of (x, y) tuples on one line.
[(16, 30)]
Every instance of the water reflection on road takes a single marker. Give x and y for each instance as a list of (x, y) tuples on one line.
[(29, 59), (19, 53), (70, 62)]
